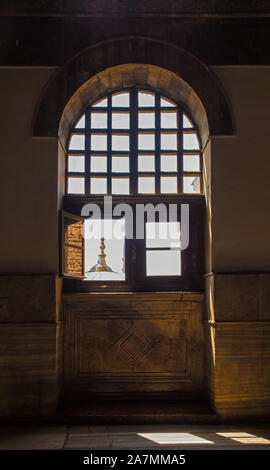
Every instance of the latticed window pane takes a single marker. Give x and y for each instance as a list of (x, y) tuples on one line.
[(81, 123), (99, 120), (191, 184), (120, 100), (120, 185), (99, 164), (146, 163), (138, 135), (120, 164), (191, 162), (120, 120), (146, 120), (76, 163), (98, 185), (76, 185)]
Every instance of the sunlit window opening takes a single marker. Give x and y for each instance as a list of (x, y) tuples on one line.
[(163, 255), (104, 250), (134, 142)]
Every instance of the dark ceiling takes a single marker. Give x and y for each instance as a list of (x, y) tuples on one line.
[(51, 32), (135, 7)]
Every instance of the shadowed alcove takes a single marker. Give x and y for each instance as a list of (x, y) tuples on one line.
[(138, 367)]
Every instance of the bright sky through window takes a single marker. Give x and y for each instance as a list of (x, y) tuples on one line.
[(138, 134)]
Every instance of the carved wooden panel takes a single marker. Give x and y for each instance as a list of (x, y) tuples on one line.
[(130, 344)]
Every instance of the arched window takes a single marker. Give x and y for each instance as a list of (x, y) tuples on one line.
[(134, 142), (140, 148)]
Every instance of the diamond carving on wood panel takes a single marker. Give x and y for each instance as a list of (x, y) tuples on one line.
[(133, 345)]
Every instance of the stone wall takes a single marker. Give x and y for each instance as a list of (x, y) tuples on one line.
[(31, 345), (238, 328)]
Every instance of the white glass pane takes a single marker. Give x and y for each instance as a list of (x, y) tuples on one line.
[(191, 163), (163, 263), (120, 100), (120, 185), (162, 235), (191, 184), (146, 121), (120, 164), (168, 120), (120, 120), (168, 184), (76, 163), (76, 186), (98, 164), (146, 142), (120, 142), (76, 142), (186, 122), (166, 103), (168, 141), (98, 142), (146, 99), (98, 185), (168, 163), (99, 120), (190, 142), (101, 104), (146, 163), (113, 232), (81, 123), (146, 185)]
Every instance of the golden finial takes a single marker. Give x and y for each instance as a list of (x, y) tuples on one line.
[(102, 266)]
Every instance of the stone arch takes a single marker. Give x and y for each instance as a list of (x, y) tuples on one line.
[(120, 63)]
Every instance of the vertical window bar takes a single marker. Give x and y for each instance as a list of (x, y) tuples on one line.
[(87, 157), (201, 160), (66, 172), (157, 143), (180, 150), (109, 146), (133, 141)]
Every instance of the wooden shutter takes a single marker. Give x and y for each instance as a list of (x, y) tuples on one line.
[(72, 246)]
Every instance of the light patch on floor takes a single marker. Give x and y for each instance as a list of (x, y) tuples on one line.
[(244, 437), (174, 438)]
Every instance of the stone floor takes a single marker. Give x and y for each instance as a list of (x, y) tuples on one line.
[(129, 437)]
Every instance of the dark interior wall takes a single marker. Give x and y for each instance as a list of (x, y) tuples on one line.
[(28, 172), (240, 175)]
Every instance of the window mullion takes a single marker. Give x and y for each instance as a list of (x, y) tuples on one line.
[(157, 143), (180, 151), (87, 150), (133, 141), (109, 146)]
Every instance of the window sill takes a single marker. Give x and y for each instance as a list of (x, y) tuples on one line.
[(153, 296)]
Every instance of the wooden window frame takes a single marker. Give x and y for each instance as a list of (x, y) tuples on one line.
[(191, 278), (192, 258)]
